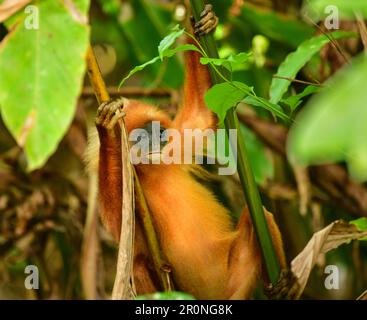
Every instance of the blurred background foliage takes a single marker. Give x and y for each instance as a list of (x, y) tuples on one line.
[(43, 212)]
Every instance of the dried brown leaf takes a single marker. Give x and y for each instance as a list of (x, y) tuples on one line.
[(122, 288), (331, 237)]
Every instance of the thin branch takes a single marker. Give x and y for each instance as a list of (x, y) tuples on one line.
[(299, 81), (122, 288), (130, 92), (333, 41)]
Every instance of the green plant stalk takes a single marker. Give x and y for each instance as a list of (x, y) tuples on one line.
[(243, 165)]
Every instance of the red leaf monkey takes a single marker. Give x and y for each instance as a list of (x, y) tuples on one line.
[(210, 258)]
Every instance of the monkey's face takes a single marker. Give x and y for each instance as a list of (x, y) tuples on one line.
[(148, 129), (150, 142)]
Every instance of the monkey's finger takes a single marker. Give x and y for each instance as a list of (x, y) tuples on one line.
[(205, 19), (114, 120), (101, 107), (208, 8), (111, 108), (112, 112), (207, 27)]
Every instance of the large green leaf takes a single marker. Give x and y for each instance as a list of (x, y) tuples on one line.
[(332, 127), (41, 76), (295, 61)]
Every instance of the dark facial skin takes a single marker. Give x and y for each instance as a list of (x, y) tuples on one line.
[(155, 135)]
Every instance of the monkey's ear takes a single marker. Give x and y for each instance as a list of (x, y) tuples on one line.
[(195, 113)]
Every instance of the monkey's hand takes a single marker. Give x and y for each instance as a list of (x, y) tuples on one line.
[(109, 113), (285, 289), (207, 23)]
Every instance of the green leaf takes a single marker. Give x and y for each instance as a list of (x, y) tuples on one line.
[(217, 62), (361, 225), (230, 62), (144, 26), (294, 101), (184, 47), (224, 96), (263, 103), (138, 68), (166, 54), (295, 61), (173, 295), (332, 126), (346, 8), (239, 58), (169, 40), (41, 76)]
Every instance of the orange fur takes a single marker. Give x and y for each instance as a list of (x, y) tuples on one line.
[(210, 258)]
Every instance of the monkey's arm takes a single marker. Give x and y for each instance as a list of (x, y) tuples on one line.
[(245, 263), (194, 112), (110, 165)]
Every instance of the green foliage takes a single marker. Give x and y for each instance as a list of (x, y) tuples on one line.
[(164, 51), (294, 101), (332, 127), (139, 68), (144, 24), (231, 63), (221, 97), (41, 77), (224, 96), (169, 40), (263, 103), (361, 224), (297, 60)]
